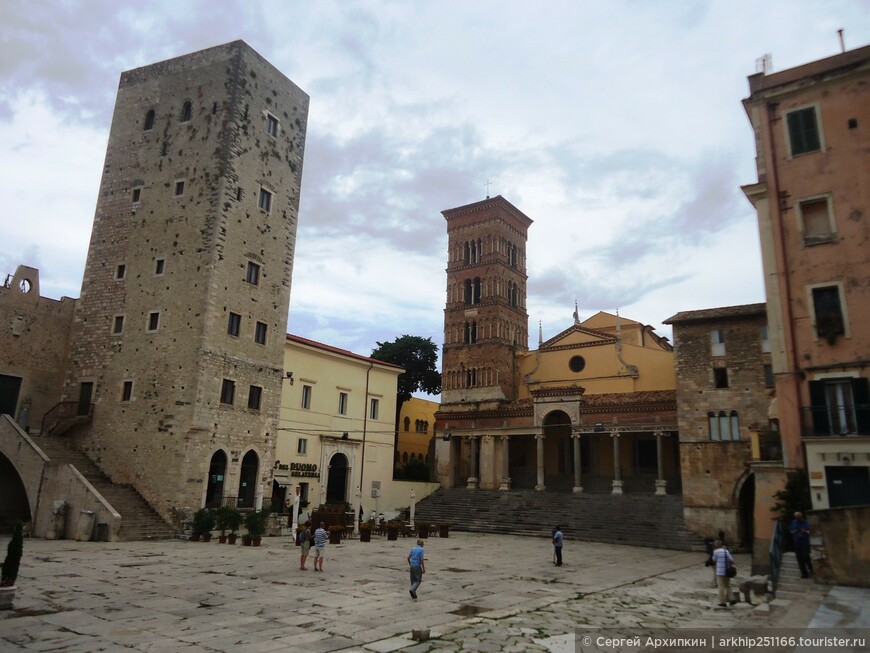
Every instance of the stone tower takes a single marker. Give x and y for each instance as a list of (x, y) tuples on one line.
[(485, 319), (178, 338)]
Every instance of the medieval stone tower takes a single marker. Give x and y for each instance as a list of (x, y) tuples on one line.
[(485, 319), (178, 337)]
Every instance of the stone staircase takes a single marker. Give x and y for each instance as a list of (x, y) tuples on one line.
[(632, 519), (791, 585), (139, 521)]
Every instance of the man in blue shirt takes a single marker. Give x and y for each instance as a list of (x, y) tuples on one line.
[(418, 567), (557, 545), (800, 533)]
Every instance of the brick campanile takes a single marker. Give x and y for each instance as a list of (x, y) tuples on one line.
[(178, 337), (485, 319)]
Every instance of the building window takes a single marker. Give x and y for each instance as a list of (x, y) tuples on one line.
[(234, 324), (470, 332), (255, 392), (186, 112), (120, 271), (153, 320), (159, 264), (840, 406), (765, 340), (373, 410), (717, 342), (342, 403), (179, 188), (828, 313), (127, 391), (306, 397), (271, 125), (720, 377), (118, 325), (724, 426), (137, 195), (265, 202), (260, 333), (816, 220), (149, 120), (252, 275), (302, 446), (803, 131), (472, 291), (769, 380), (228, 391), (407, 423)]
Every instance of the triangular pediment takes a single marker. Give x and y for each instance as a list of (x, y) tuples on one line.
[(577, 335)]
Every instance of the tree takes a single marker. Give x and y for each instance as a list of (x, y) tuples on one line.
[(419, 357)]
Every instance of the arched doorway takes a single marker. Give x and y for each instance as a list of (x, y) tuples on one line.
[(217, 471), (15, 506), (746, 512), (558, 452), (336, 484), (248, 480)]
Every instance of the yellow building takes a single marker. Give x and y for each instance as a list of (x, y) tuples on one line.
[(416, 429), (336, 428)]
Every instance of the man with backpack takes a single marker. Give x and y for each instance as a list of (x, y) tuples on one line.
[(303, 539)]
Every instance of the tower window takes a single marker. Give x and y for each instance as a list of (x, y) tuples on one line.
[(127, 391), (717, 342), (260, 333), (234, 324), (228, 391), (828, 313), (720, 377), (137, 195), (816, 221), (120, 271), (252, 275), (159, 265), (179, 188), (153, 320), (271, 125), (803, 131), (265, 202), (118, 325), (255, 393), (149, 121), (186, 112)]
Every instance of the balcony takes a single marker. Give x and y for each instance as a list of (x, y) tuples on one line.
[(835, 420), (766, 445)]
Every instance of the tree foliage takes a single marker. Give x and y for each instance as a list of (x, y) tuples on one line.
[(795, 497), (419, 357)]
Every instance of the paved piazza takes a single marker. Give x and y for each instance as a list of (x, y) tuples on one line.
[(481, 593)]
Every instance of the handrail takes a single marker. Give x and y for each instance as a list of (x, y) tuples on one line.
[(63, 411), (776, 554)]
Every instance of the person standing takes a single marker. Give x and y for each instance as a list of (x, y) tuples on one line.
[(305, 544), (321, 537), (558, 538), (800, 533), (722, 559), (417, 566)]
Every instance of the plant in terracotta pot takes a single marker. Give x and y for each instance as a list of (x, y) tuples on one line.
[(220, 522), (335, 534), (255, 523), (234, 522), (9, 572), (423, 529), (365, 531), (203, 524), (393, 529)]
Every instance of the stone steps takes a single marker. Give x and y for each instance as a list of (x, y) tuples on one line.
[(139, 521), (632, 519)]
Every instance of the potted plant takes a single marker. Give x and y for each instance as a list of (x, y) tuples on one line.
[(335, 534), (220, 523), (423, 529), (255, 522), (444, 529), (234, 522), (203, 523), (10, 567), (365, 531), (393, 529)]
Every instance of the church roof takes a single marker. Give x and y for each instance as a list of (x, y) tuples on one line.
[(743, 310)]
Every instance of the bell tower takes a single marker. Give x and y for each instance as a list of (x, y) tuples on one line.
[(485, 319)]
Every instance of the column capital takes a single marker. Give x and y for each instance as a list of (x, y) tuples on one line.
[(539, 436), (614, 433)]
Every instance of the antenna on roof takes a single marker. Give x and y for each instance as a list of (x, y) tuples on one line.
[(842, 40), (764, 64)]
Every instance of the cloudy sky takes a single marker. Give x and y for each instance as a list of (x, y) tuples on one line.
[(617, 126)]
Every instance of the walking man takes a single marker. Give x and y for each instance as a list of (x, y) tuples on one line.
[(722, 559), (321, 537), (557, 545), (800, 533), (418, 567)]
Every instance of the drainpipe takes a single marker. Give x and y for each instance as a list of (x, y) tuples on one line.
[(362, 461), (788, 321)]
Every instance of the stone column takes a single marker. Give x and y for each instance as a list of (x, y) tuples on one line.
[(617, 472), (661, 483), (578, 487), (505, 464), (539, 438), (472, 478)]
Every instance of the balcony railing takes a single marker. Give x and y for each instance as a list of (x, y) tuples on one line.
[(835, 419)]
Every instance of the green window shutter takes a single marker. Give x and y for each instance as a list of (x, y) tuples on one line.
[(803, 131)]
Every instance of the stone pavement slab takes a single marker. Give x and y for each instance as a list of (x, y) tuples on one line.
[(480, 593)]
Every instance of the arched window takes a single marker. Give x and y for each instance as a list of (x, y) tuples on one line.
[(186, 112), (466, 255), (149, 120), (407, 423), (426, 426), (735, 426), (714, 425), (724, 426), (468, 296), (405, 457), (476, 296)]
